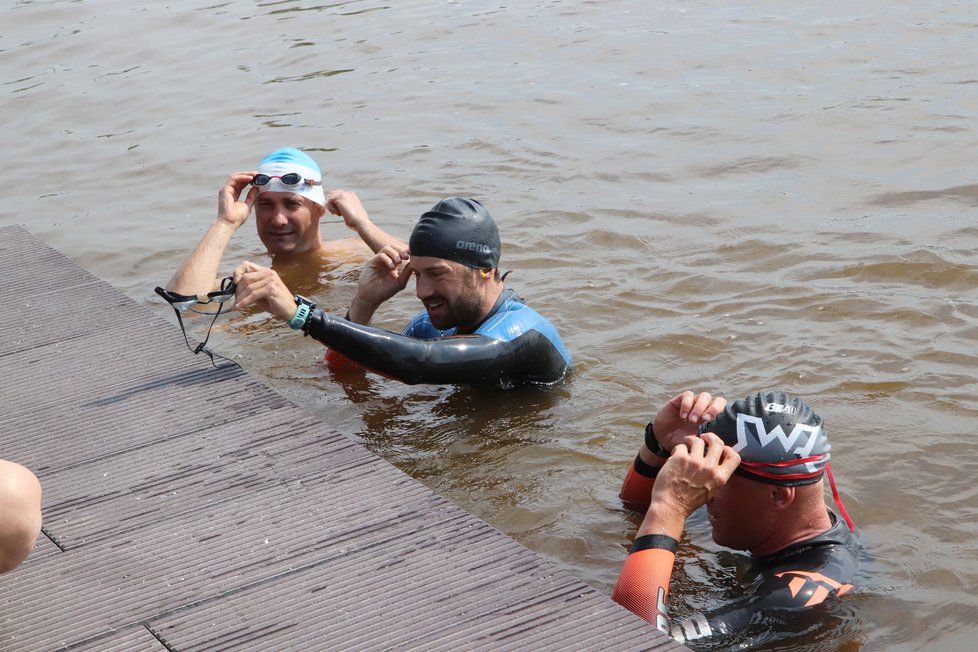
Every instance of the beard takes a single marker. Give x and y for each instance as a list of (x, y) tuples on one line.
[(464, 311)]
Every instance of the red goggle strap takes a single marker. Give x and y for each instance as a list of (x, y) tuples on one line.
[(838, 501), (756, 469)]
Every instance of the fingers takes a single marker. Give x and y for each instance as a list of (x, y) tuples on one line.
[(243, 269), (683, 403), (238, 180), (404, 274), (698, 408), (250, 288), (230, 208), (333, 198), (714, 448), (344, 203), (251, 198), (391, 258), (695, 446), (714, 454), (729, 461), (718, 405), (701, 411), (254, 283)]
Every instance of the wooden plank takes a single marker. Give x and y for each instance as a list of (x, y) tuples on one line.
[(188, 507), (131, 639)]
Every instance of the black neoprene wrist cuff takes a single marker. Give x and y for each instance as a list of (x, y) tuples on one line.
[(644, 469), (317, 317), (653, 444), (654, 542)]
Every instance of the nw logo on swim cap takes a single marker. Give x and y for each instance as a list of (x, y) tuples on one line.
[(473, 246), (788, 442)]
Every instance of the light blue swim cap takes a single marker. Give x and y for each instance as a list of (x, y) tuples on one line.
[(289, 159)]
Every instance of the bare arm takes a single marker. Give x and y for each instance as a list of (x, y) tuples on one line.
[(347, 205), (199, 271)]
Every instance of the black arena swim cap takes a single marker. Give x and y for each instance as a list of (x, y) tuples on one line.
[(779, 438), (458, 229)]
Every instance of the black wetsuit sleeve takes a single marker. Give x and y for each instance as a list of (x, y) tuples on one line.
[(470, 359), (724, 626), (767, 603)]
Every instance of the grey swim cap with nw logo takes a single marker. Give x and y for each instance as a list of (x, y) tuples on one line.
[(779, 438), (458, 229)]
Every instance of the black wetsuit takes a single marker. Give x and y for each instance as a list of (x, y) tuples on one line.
[(513, 345), (800, 576)]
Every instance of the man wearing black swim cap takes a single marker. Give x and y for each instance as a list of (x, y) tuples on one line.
[(758, 467), (473, 330)]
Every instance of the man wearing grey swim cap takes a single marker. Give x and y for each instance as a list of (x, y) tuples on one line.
[(288, 200), (473, 330), (758, 466)]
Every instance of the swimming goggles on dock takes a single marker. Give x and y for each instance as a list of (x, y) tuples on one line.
[(183, 302)]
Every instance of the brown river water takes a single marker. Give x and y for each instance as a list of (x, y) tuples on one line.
[(705, 195)]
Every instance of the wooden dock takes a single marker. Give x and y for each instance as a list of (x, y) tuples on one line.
[(188, 507)]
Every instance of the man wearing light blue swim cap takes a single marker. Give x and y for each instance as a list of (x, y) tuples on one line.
[(287, 195)]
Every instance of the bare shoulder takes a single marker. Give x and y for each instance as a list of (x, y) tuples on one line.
[(351, 249)]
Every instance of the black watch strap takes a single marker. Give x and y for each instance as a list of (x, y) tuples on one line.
[(653, 444), (301, 300)]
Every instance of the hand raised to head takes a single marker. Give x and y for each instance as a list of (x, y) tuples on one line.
[(697, 468), (230, 208), (383, 276), (347, 205), (682, 416)]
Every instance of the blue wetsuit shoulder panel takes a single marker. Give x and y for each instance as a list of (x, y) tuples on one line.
[(509, 318)]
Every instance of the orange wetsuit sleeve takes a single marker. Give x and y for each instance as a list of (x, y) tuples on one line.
[(636, 489), (643, 584), (338, 362)]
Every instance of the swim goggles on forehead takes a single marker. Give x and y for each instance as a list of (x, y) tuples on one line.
[(290, 179), (183, 302)]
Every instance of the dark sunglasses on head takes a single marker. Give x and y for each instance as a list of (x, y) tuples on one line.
[(290, 179), (183, 302)]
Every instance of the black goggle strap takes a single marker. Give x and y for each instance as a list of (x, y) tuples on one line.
[(200, 347), (178, 302), (181, 302)]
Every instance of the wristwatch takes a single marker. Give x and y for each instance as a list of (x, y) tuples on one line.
[(303, 309)]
